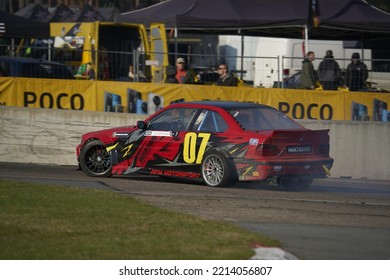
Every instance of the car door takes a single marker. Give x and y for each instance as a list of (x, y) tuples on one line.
[(161, 146), (206, 133)]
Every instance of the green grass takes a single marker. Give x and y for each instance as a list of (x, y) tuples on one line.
[(50, 222)]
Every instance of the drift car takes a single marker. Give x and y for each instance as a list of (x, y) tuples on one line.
[(219, 142)]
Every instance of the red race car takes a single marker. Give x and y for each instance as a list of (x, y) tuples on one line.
[(219, 142)]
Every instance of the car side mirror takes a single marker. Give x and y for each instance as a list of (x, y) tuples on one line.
[(141, 125)]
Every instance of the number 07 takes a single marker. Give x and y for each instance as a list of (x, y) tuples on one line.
[(189, 150)]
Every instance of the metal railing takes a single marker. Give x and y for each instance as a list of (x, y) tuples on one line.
[(278, 71)]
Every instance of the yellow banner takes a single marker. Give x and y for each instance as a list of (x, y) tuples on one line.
[(48, 93), (147, 98), (366, 106)]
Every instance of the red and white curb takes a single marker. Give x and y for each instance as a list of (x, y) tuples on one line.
[(271, 253)]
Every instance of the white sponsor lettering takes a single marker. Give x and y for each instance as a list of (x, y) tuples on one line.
[(253, 141), (299, 149), (158, 133)]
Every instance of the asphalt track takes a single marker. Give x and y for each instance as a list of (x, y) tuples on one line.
[(335, 219)]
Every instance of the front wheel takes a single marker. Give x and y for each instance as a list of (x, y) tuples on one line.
[(217, 170), (95, 160)]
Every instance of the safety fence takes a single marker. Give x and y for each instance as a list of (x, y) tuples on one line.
[(258, 71)]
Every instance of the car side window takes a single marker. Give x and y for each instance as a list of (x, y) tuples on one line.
[(262, 119), (172, 120), (210, 121)]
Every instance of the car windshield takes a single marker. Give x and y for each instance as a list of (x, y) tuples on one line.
[(173, 119), (265, 118)]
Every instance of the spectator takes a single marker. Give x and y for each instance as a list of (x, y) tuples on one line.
[(170, 72), (225, 77), (104, 64), (89, 72), (329, 72), (308, 76), (131, 73), (183, 75), (357, 73), (140, 77)]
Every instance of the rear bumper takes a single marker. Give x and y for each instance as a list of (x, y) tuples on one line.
[(259, 171)]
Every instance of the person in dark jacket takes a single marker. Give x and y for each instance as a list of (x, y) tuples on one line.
[(170, 72), (225, 77), (308, 76), (357, 73), (329, 72)]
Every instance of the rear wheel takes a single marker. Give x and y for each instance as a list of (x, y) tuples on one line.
[(217, 170), (95, 160)]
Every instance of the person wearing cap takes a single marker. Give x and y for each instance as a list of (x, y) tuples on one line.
[(357, 74), (183, 75), (329, 72)]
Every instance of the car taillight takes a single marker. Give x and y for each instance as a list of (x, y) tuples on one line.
[(267, 150), (324, 149)]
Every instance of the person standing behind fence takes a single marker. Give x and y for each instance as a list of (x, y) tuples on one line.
[(183, 75), (225, 77), (308, 76), (329, 72), (357, 73), (136, 77), (89, 71), (170, 72)]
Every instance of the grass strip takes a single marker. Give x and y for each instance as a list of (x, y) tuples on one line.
[(50, 222)]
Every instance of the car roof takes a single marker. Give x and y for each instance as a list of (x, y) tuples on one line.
[(34, 68), (27, 60), (226, 104)]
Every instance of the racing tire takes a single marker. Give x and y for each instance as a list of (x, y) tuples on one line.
[(94, 159), (217, 171)]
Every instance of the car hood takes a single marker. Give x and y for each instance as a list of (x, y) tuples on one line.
[(106, 134)]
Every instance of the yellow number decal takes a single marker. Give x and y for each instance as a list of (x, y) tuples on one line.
[(202, 147), (189, 147), (189, 150)]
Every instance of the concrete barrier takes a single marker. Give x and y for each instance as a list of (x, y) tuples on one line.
[(46, 136)]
